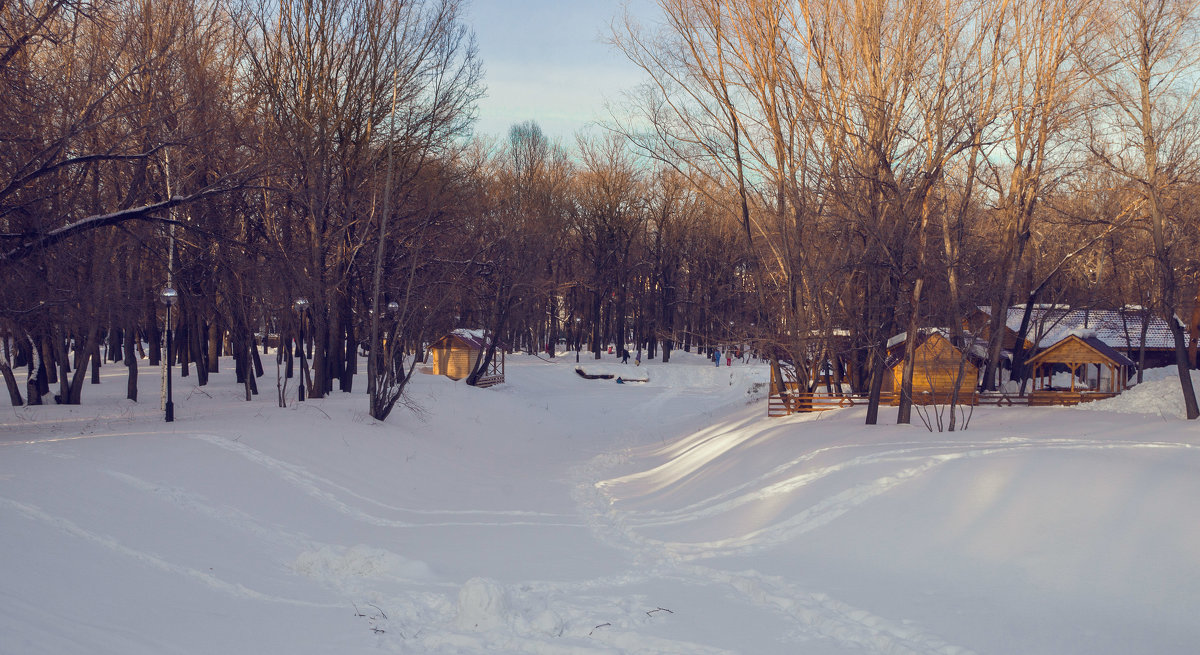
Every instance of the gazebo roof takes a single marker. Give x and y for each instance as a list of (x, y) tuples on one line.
[(1102, 349)]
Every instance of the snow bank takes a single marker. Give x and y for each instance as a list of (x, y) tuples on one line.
[(1159, 393)]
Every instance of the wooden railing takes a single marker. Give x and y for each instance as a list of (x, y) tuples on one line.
[(800, 402), (795, 402), (489, 380), (1048, 398), (1000, 399)]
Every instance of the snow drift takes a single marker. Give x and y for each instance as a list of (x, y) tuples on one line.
[(555, 514)]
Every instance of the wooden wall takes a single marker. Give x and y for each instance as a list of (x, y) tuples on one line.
[(935, 368), (453, 359)]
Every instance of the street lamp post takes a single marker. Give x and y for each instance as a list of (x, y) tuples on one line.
[(168, 297), (301, 304), (393, 311)]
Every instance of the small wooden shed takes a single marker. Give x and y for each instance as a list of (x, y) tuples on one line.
[(935, 369), (1076, 355), (456, 354)]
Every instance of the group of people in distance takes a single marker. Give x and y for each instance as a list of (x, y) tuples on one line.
[(715, 356)]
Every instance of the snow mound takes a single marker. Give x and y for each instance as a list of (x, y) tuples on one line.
[(1159, 393), (482, 605), (338, 563)]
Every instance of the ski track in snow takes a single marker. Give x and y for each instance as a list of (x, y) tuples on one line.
[(198, 504), (829, 617), (149, 559), (315, 486), (765, 487), (18, 616), (814, 611)]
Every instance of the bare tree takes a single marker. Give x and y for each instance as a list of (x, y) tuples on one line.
[(1143, 68), (332, 75), (1041, 99)]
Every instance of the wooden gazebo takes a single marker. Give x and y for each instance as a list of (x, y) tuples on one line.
[(1077, 355), (456, 355)]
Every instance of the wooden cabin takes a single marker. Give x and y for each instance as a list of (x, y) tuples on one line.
[(935, 369), (1080, 357), (456, 354)]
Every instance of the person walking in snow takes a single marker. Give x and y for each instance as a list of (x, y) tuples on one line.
[(638, 360), (717, 357), (624, 355)]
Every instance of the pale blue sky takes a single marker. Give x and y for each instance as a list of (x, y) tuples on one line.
[(544, 60)]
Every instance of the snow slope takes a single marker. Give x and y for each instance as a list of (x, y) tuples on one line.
[(554, 514)]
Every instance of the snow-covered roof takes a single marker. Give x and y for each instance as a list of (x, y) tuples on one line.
[(1117, 328), (475, 338), (976, 348), (1093, 342)]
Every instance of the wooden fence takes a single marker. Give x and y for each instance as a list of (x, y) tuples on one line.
[(795, 402), (1046, 398), (489, 380)]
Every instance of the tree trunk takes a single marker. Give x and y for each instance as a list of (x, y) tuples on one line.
[(877, 373), (240, 360), (181, 346), (88, 350), (46, 372), (10, 380), (49, 361), (215, 334), (248, 355), (288, 353), (1193, 333), (337, 346), (37, 373), (258, 367), (95, 357), (320, 359), (1142, 346), (350, 368), (62, 358), (131, 363), (1185, 374), (198, 347), (153, 334)]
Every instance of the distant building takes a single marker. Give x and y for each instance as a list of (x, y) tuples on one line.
[(1121, 330), (456, 355), (936, 364)]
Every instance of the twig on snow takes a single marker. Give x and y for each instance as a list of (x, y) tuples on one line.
[(381, 612)]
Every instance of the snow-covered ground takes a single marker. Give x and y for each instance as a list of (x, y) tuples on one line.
[(554, 514)]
